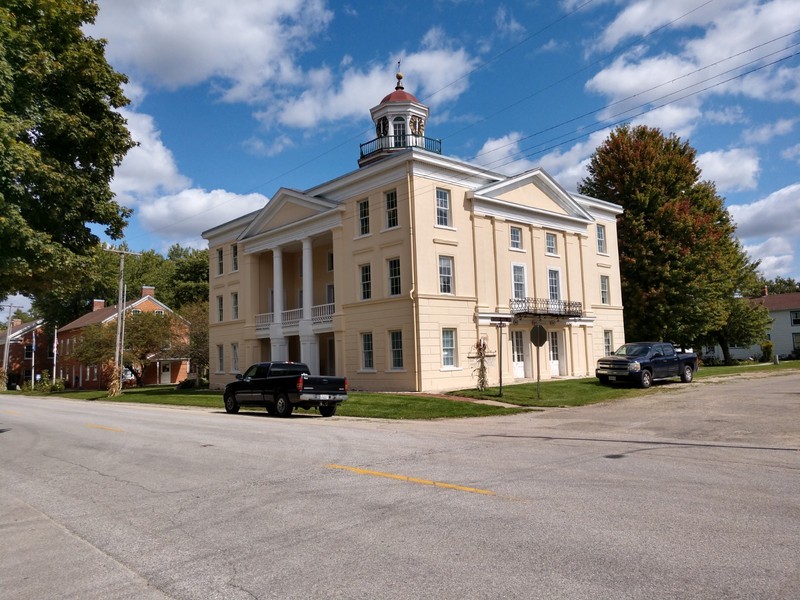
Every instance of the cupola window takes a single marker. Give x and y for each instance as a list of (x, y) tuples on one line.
[(399, 127)]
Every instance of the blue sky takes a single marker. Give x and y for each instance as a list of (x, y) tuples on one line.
[(232, 100)]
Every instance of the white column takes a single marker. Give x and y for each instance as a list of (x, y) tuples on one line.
[(308, 279), (280, 350)]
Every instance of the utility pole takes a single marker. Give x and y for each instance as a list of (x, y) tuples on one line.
[(11, 308), (119, 351)]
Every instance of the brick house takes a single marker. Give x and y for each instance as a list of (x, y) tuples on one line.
[(30, 351), (162, 369)]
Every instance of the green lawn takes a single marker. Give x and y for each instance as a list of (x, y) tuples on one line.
[(561, 393)]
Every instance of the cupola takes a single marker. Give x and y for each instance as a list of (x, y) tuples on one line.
[(399, 124)]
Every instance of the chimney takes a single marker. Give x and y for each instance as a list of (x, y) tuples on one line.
[(148, 290), (16, 322), (98, 304)]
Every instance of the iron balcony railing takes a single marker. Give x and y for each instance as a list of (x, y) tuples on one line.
[(545, 307), (389, 142)]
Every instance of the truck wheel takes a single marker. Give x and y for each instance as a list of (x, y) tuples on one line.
[(687, 374), (283, 408), (231, 405), (327, 411), (646, 380)]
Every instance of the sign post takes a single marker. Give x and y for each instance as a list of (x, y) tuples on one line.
[(538, 339)]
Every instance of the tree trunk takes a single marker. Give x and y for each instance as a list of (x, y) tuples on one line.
[(726, 351)]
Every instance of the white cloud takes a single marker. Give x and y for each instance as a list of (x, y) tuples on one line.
[(506, 24), (244, 44), (763, 134), (504, 155), (776, 255), (792, 153), (731, 170), (182, 217), (776, 215), (148, 168)]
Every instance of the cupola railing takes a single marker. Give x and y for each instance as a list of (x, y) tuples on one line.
[(396, 142)]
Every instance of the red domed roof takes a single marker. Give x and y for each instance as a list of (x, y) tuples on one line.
[(399, 94)]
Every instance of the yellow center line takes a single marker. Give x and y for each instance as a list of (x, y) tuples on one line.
[(93, 426), (449, 486)]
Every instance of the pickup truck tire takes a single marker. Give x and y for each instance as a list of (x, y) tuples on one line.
[(231, 405), (283, 408), (327, 411), (646, 379), (687, 374)]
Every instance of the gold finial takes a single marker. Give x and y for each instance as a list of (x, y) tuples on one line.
[(399, 85)]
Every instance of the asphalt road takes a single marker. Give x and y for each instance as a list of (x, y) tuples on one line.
[(690, 493)]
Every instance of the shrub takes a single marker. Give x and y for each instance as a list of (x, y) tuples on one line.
[(766, 351)]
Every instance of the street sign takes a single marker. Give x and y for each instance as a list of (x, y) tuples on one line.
[(538, 336)]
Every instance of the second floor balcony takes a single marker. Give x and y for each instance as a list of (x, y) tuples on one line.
[(322, 313), (544, 307)]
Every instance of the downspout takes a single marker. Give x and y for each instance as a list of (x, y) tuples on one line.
[(413, 291)]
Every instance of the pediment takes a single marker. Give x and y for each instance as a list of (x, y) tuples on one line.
[(534, 190), (287, 206)]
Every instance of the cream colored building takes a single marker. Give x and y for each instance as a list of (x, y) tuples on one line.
[(391, 274)]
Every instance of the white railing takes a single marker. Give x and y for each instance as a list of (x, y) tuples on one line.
[(322, 313)]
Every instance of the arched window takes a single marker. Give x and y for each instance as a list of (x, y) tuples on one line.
[(399, 127)]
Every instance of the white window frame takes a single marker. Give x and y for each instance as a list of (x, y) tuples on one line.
[(366, 283), (362, 217), (234, 357), (444, 208), (396, 349), (234, 257), (367, 351), (602, 246), (393, 276), (235, 306), (517, 346), (392, 212), (449, 348), (608, 342), (554, 276), (515, 269), (515, 237), (447, 275), (605, 289), (551, 248), (220, 309), (794, 317), (220, 358)]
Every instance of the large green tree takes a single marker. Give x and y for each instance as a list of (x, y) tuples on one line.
[(779, 285), (195, 346), (61, 137), (679, 258)]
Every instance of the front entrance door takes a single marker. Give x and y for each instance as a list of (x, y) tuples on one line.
[(165, 373), (552, 339), (517, 355)]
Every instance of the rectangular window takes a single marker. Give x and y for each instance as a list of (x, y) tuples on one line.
[(394, 276), (443, 208), (28, 351), (553, 335), (608, 342), (551, 246), (517, 349), (605, 297), (235, 358), (396, 345), (159, 312), (391, 209), (366, 282), (220, 359), (794, 316), (553, 284), (516, 238), (367, 357), (363, 217), (446, 274), (796, 341), (220, 313), (235, 306), (234, 257), (448, 347), (601, 239), (330, 262), (519, 281), (220, 262)]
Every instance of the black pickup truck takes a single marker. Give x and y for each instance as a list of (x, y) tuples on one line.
[(280, 386), (644, 362)]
